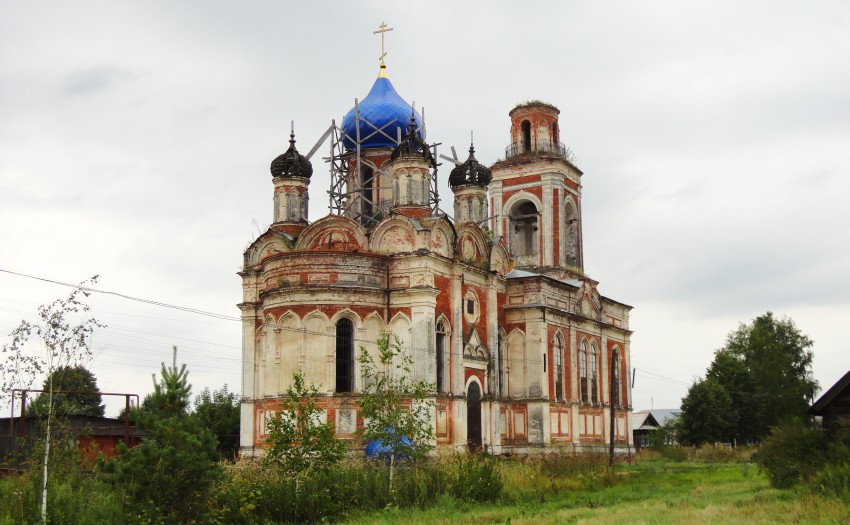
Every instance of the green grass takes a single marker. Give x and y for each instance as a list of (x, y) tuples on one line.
[(544, 490), (649, 492)]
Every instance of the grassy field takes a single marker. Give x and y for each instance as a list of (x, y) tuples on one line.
[(648, 492), (705, 486)]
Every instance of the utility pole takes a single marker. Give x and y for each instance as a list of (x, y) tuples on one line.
[(614, 399)]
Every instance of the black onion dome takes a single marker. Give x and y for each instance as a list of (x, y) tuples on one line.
[(470, 172), (291, 163), (412, 144)]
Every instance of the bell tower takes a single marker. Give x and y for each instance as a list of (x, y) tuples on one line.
[(536, 193)]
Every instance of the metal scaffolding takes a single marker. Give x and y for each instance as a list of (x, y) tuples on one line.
[(353, 177)]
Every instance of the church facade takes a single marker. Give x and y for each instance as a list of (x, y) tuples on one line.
[(493, 306)]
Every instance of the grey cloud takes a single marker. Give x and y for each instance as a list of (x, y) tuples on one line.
[(92, 80)]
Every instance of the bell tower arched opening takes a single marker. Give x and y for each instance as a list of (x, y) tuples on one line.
[(524, 242), (526, 136)]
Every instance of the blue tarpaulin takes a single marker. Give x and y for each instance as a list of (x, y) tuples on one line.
[(378, 448)]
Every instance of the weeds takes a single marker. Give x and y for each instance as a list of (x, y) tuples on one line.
[(452, 488)]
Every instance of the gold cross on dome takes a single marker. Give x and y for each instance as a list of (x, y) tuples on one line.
[(383, 28)]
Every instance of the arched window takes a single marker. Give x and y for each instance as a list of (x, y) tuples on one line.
[(344, 355), (526, 136), (582, 366), (441, 356), (571, 233), (524, 218), (615, 377), (559, 368), (593, 372)]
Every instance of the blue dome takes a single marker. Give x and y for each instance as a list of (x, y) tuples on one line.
[(387, 111)]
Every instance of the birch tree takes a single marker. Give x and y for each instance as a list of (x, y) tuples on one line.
[(60, 338)]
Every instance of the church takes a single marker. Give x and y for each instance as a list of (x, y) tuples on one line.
[(491, 302)]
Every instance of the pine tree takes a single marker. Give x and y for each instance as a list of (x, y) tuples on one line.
[(167, 477)]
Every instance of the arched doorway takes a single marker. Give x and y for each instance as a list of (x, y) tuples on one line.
[(473, 417)]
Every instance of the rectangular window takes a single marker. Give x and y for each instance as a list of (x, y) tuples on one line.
[(470, 306)]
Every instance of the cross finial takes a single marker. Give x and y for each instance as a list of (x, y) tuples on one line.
[(383, 28)]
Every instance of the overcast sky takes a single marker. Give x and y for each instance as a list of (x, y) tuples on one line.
[(714, 136)]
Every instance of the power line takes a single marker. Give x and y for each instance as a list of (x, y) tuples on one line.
[(128, 297), (660, 377), (304, 331)]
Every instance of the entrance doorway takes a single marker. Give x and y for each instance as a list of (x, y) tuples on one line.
[(473, 417)]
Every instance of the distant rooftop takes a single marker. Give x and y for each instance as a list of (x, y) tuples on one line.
[(662, 415)]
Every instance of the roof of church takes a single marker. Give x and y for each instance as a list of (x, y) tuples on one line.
[(384, 110), (470, 172), (412, 145), (516, 274), (291, 163)]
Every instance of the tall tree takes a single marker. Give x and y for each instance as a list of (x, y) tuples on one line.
[(730, 371), (73, 379), (765, 371), (778, 358), (64, 330), (708, 415), (218, 410)]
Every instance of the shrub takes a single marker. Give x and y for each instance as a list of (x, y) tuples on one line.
[(70, 502), (252, 493), (832, 480), (792, 452)]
